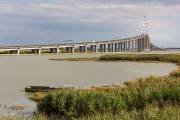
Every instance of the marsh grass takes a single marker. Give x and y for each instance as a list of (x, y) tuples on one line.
[(137, 96), (175, 73), (174, 58)]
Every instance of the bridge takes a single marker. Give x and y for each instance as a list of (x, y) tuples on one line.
[(139, 43)]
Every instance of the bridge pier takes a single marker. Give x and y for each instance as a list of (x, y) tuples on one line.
[(35, 51), (111, 47), (115, 47), (102, 47), (93, 48), (125, 46), (14, 51), (70, 50), (53, 50), (139, 46), (82, 49)]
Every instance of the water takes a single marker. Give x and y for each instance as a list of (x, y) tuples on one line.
[(17, 72)]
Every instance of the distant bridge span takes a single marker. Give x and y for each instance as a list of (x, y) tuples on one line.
[(139, 43)]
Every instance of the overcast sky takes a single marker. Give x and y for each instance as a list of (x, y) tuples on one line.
[(54, 21)]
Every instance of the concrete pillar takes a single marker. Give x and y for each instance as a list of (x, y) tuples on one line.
[(93, 48), (144, 43), (129, 46), (149, 45), (108, 46), (111, 47), (13, 52), (141, 45), (58, 50), (133, 45), (82, 49), (35, 51), (53, 50), (73, 50), (121, 46), (39, 51), (18, 51), (126, 46), (115, 47), (118, 47), (86, 49), (102, 47), (136, 45), (69, 49), (125, 50), (96, 48)]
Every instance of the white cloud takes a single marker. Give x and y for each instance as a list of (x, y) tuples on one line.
[(162, 18)]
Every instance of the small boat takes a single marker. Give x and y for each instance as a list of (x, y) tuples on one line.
[(44, 88), (37, 89)]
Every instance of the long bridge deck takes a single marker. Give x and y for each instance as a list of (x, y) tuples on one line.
[(133, 44)]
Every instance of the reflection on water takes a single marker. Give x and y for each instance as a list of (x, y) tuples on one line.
[(17, 72)]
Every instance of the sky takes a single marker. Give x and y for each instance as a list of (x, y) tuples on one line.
[(24, 22)]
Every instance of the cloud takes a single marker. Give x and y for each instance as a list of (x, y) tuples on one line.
[(36, 18)]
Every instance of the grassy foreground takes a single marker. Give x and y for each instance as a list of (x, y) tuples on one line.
[(149, 98)]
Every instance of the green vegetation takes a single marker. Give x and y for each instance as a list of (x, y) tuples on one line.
[(138, 99), (151, 112), (175, 73), (174, 58)]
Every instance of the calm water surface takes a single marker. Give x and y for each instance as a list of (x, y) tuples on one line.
[(17, 72)]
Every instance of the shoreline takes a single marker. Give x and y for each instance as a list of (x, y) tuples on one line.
[(106, 88)]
